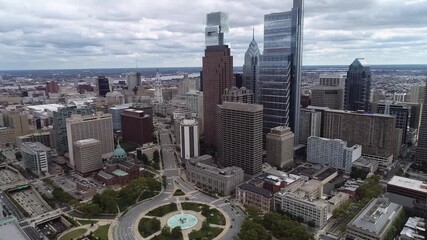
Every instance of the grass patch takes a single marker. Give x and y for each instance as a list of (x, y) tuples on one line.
[(163, 210), (206, 232), (148, 226), (194, 206), (179, 192), (214, 216), (73, 234), (84, 222), (102, 232)]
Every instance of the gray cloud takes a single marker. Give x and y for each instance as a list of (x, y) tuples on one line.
[(116, 33)]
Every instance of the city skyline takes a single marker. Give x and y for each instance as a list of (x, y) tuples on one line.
[(37, 35)]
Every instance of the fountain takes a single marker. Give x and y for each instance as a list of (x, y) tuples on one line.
[(183, 220)]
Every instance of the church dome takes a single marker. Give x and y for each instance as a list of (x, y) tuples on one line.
[(119, 153)]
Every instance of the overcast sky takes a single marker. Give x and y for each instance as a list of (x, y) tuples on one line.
[(46, 34)]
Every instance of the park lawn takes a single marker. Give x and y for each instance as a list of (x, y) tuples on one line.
[(205, 233), (84, 222), (214, 216), (148, 226), (163, 210), (73, 234), (102, 232)]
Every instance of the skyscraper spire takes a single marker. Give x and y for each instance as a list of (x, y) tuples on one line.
[(253, 33)]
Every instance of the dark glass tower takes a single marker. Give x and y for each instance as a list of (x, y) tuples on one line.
[(103, 86), (421, 154), (280, 69), (251, 67), (358, 86)]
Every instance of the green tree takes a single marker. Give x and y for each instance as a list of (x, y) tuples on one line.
[(176, 233), (144, 159), (156, 156)]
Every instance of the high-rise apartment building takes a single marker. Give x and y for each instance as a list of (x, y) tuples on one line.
[(280, 147), (87, 155), (358, 86), (421, 153), (332, 152), (330, 92), (99, 127), (401, 111), (217, 76), (133, 79), (36, 156), (377, 133), (103, 86), (280, 69), (240, 136), (251, 68), (310, 124), (137, 126), (235, 94), (189, 138), (60, 125)]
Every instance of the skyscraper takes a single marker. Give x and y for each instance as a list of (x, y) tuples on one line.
[(402, 113), (330, 92), (358, 86), (280, 147), (251, 67), (421, 153), (240, 136), (133, 79), (189, 135), (103, 85), (216, 26), (137, 126), (280, 69), (87, 155)]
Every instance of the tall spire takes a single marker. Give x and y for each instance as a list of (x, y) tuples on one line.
[(253, 33)]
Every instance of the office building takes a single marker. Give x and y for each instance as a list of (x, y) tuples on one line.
[(375, 220), (194, 103), (217, 76), (36, 156), (401, 111), (377, 133), (358, 86), (280, 69), (133, 80), (332, 152), (408, 192), (177, 116), (421, 153), (298, 204), (235, 94), (310, 124), (202, 172), (99, 127), (280, 147), (216, 26), (137, 127), (19, 122), (7, 137), (240, 136), (60, 125), (116, 114), (417, 94), (330, 92), (44, 138), (87, 155), (251, 68), (103, 86), (189, 138), (249, 194)]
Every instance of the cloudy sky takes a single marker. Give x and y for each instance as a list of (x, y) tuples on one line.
[(45, 34)]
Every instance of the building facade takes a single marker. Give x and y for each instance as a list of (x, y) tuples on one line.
[(240, 136), (189, 138), (235, 94), (251, 68), (36, 156), (280, 69), (330, 92), (358, 86), (310, 125), (99, 127), (280, 147), (202, 172), (103, 85), (332, 152), (116, 115), (133, 80), (421, 153), (7, 137), (87, 155), (248, 194), (137, 127), (401, 111)]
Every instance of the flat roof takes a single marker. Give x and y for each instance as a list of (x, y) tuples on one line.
[(238, 106), (408, 183), (46, 107), (105, 175), (120, 173), (255, 189), (12, 231)]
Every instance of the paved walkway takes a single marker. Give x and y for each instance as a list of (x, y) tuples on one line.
[(88, 227)]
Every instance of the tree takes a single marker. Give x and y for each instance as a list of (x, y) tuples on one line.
[(18, 155), (254, 212), (156, 156), (176, 233), (144, 159)]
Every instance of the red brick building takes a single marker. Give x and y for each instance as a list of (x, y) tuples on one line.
[(137, 127), (52, 87)]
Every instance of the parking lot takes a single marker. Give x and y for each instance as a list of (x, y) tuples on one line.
[(29, 202), (68, 183), (8, 176)]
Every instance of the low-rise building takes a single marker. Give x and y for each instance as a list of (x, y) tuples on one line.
[(374, 221), (249, 194), (202, 172), (7, 137), (366, 165), (415, 229), (408, 192), (85, 188)]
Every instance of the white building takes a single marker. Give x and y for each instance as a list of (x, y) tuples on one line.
[(116, 114), (332, 152), (189, 138), (36, 156), (87, 155), (194, 103)]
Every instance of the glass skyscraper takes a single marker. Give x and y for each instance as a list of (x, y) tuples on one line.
[(280, 69), (251, 68)]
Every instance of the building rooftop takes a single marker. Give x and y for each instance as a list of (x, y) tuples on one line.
[(408, 183), (324, 173), (122, 106), (120, 173), (238, 106), (31, 147), (86, 141), (105, 175), (375, 216), (11, 230), (206, 163), (255, 189), (45, 107)]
